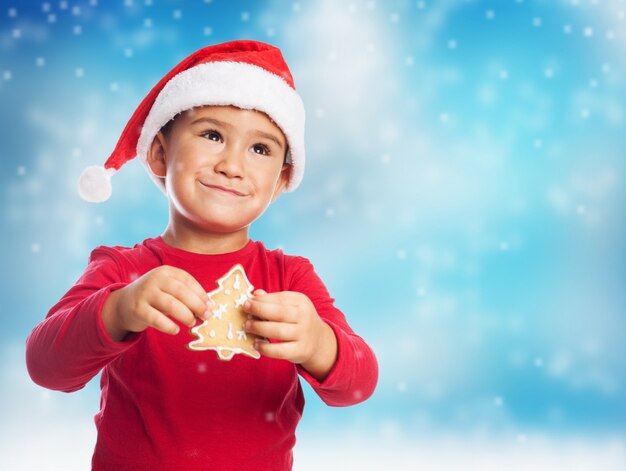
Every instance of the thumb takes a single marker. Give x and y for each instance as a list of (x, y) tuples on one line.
[(259, 292)]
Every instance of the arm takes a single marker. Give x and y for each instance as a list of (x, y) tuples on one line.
[(314, 335), (71, 345)]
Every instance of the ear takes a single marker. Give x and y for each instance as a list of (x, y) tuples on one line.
[(283, 179), (155, 157)]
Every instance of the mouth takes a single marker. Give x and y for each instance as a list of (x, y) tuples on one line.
[(222, 189)]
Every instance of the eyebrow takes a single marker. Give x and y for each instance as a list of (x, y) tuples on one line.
[(217, 122)]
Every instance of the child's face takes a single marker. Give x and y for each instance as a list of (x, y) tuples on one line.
[(222, 165)]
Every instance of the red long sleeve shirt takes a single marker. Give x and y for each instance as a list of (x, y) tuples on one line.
[(166, 407)]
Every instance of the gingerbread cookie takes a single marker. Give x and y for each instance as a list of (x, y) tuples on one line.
[(225, 331)]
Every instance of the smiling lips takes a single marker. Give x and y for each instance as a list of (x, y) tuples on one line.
[(223, 189)]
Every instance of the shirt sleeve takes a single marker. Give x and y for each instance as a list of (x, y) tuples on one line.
[(354, 376), (72, 345)]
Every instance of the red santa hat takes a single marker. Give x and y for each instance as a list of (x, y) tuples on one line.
[(245, 74)]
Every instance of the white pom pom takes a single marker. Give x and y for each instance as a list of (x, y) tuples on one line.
[(94, 184)]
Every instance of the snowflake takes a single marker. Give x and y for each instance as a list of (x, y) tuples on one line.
[(221, 309)]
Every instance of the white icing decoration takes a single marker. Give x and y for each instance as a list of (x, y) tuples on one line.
[(237, 283), (227, 291), (221, 309), (240, 300), (211, 333), (230, 331), (241, 334)]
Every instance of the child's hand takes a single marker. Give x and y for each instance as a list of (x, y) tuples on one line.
[(291, 318), (151, 300)]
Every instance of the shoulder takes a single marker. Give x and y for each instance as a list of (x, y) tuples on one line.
[(126, 260)]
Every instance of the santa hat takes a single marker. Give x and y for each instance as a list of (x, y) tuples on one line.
[(245, 74)]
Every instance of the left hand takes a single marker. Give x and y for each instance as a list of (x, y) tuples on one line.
[(290, 317)]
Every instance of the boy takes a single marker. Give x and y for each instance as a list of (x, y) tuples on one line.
[(223, 135)]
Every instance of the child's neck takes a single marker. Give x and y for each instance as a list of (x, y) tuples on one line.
[(202, 242)]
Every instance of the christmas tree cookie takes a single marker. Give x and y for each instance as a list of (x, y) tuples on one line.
[(224, 331)]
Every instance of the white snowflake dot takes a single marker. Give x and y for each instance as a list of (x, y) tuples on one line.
[(35, 248), (79, 72), (17, 33), (52, 18), (114, 86), (452, 44), (536, 22), (498, 401), (504, 74), (7, 75), (548, 73), (12, 12), (128, 52), (40, 62), (207, 31), (588, 32), (147, 23), (245, 16), (77, 30), (567, 29), (490, 14), (538, 362), (177, 14), (21, 170)]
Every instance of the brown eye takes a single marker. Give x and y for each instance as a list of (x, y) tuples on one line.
[(260, 149), (213, 136)]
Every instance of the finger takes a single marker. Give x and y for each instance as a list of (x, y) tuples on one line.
[(273, 330), (187, 296), (172, 307), (161, 322), (280, 351), (259, 292), (269, 311), (190, 282)]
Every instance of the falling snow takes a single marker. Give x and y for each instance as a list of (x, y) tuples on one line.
[(465, 182)]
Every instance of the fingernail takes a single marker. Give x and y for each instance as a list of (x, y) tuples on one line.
[(206, 314), (246, 305)]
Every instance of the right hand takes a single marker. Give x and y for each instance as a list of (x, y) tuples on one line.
[(152, 299)]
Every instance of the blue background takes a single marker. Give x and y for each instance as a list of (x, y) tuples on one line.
[(464, 202)]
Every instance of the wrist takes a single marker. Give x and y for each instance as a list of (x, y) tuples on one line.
[(110, 317), (325, 356)]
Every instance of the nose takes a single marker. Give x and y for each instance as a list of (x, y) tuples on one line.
[(230, 163)]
